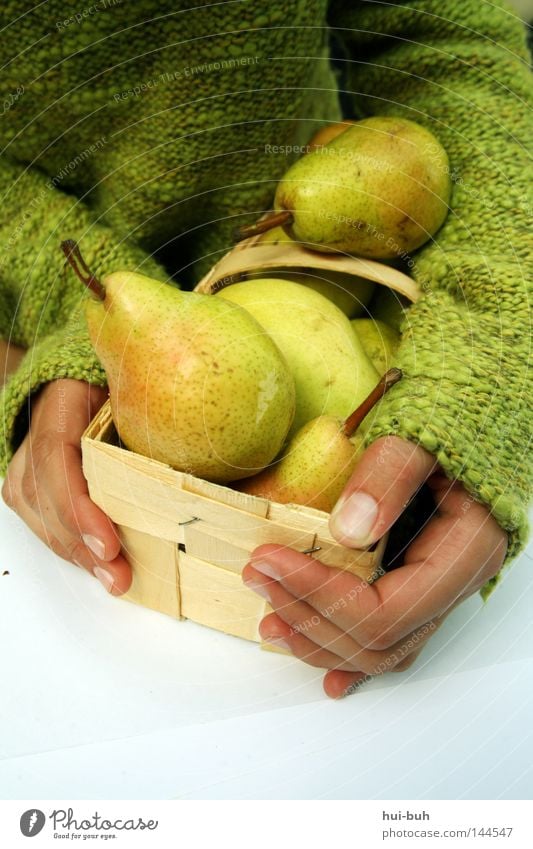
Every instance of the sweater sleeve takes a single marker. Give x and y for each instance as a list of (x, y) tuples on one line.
[(461, 68), (40, 298)]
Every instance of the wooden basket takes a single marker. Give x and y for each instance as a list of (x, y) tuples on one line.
[(188, 540)]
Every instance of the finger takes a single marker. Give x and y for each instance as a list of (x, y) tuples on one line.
[(55, 468), (41, 516), (114, 575), (455, 554), (386, 477), (53, 463), (338, 684), (274, 630), (305, 620), (302, 619)]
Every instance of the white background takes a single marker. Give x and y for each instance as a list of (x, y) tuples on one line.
[(102, 699)]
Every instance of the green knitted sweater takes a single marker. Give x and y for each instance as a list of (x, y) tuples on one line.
[(147, 131)]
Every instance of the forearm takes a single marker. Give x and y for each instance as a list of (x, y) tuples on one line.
[(40, 300), (465, 353)]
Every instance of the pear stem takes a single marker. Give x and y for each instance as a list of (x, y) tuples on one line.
[(277, 219), (353, 421), (73, 254)]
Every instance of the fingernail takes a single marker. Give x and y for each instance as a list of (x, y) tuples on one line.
[(258, 588), (105, 578), (96, 545), (266, 569), (352, 519), (277, 641)]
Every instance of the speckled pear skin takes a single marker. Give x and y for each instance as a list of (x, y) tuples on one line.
[(331, 370), (313, 470), (194, 381), (379, 340), (380, 189)]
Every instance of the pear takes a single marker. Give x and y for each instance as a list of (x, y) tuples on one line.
[(313, 470), (380, 189), (331, 370), (275, 236), (326, 134), (319, 460), (194, 380), (379, 340)]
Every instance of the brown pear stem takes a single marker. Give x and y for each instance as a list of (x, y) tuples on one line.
[(353, 421), (73, 254), (277, 219)]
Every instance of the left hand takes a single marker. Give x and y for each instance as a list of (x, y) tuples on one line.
[(332, 619)]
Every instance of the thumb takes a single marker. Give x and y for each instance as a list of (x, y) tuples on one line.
[(386, 477)]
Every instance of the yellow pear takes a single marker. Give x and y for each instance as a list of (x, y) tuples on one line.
[(379, 340), (194, 380), (380, 189), (326, 134), (331, 370)]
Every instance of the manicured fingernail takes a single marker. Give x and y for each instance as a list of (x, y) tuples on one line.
[(105, 578), (277, 641), (258, 588), (266, 569), (352, 519), (96, 545)]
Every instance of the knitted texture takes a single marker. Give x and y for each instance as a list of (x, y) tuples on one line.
[(462, 69), (153, 129)]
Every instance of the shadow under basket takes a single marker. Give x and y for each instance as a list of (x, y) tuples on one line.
[(188, 540)]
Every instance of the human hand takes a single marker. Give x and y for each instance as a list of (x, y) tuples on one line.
[(332, 619), (45, 485)]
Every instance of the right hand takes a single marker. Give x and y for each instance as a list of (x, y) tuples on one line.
[(45, 485)]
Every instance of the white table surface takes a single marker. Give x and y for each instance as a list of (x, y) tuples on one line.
[(102, 699)]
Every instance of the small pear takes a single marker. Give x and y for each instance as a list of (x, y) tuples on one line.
[(319, 460), (379, 340), (194, 380), (331, 370), (313, 470), (380, 189)]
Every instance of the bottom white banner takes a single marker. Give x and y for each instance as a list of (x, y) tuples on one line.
[(267, 824)]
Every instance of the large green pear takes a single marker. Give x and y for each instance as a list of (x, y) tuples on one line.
[(380, 189), (331, 370), (194, 380)]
